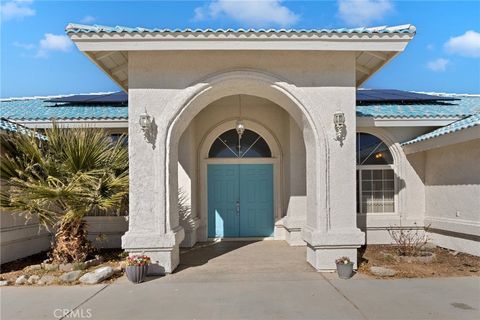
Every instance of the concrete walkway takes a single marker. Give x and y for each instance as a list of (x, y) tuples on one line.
[(263, 280)]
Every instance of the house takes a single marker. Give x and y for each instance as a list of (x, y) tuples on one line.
[(266, 134)]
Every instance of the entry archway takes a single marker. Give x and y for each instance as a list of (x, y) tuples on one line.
[(279, 92)]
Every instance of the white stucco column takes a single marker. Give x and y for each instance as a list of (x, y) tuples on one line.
[(150, 230), (331, 230)]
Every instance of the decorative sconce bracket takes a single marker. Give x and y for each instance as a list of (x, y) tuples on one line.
[(149, 128), (339, 122)]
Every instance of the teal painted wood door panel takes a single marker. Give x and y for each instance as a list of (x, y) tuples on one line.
[(251, 185), (256, 200), (223, 193)]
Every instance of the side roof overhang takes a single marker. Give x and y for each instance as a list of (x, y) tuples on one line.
[(108, 47)]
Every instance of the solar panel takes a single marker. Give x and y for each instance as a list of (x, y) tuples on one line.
[(117, 97), (363, 96), (390, 95)]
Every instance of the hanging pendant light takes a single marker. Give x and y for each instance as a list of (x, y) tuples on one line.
[(239, 126)]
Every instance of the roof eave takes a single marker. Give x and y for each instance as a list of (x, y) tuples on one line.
[(444, 140)]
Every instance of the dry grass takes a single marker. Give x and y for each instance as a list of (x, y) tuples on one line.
[(446, 264)]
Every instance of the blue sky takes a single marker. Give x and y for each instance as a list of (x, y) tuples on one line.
[(37, 58)]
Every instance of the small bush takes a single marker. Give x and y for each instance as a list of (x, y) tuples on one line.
[(409, 241)]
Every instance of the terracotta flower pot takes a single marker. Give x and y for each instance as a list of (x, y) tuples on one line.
[(136, 274), (345, 271)]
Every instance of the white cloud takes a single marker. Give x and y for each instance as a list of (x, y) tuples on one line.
[(17, 9), (363, 12), (53, 42), (438, 65), (88, 19), (252, 13), (26, 46), (468, 44), (431, 46)]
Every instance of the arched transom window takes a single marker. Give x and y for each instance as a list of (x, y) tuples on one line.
[(375, 176), (230, 145)]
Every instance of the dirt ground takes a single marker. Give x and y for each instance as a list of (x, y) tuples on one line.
[(447, 263), (12, 270)]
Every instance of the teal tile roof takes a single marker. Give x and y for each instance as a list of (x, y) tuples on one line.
[(465, 106), (469, 122), (79, 28), (9, 126), (38, 109)]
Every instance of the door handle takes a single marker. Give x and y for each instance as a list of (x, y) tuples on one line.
[(237, 207)]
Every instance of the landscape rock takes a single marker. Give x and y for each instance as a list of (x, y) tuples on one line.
[(429, 246), (382, 272), (4, 283), (424, 257), (47, 279), (71, 276), (65, 267), (33, 279), (97, 276), (50, 266), (33, 267), (21, 279), (93, 262)]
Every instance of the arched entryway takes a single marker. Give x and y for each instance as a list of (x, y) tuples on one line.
[(320, 229), (263, 86)]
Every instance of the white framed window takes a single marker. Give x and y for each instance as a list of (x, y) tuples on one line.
[(375, 176)]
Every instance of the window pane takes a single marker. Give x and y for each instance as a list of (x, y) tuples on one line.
[(372, 150), (228, 145), (388, 174), (366, 185), (377, 174), (377, 194), (366, 174), (388, 185)]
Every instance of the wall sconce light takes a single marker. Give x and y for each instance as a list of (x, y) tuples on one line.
[(145, 121), (339, 122)]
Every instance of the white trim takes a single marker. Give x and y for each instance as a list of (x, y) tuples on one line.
[(275, 160), (471, 227), (404, 122)]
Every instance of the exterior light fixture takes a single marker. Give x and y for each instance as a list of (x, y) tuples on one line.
[(145, 121), (339, 122), (240, 127)]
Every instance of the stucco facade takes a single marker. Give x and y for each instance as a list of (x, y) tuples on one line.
[(291, 84)]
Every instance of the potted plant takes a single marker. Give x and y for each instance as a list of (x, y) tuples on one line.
[(137, 268), (344, 267)]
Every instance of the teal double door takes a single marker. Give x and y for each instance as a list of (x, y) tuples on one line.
[(240, 200)]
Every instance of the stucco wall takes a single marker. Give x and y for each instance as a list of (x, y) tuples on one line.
[(452, 189), (20, 238)]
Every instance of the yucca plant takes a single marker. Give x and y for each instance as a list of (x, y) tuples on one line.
[(60, 179)]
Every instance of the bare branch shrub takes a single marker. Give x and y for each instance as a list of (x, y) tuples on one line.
[(409, 241)]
